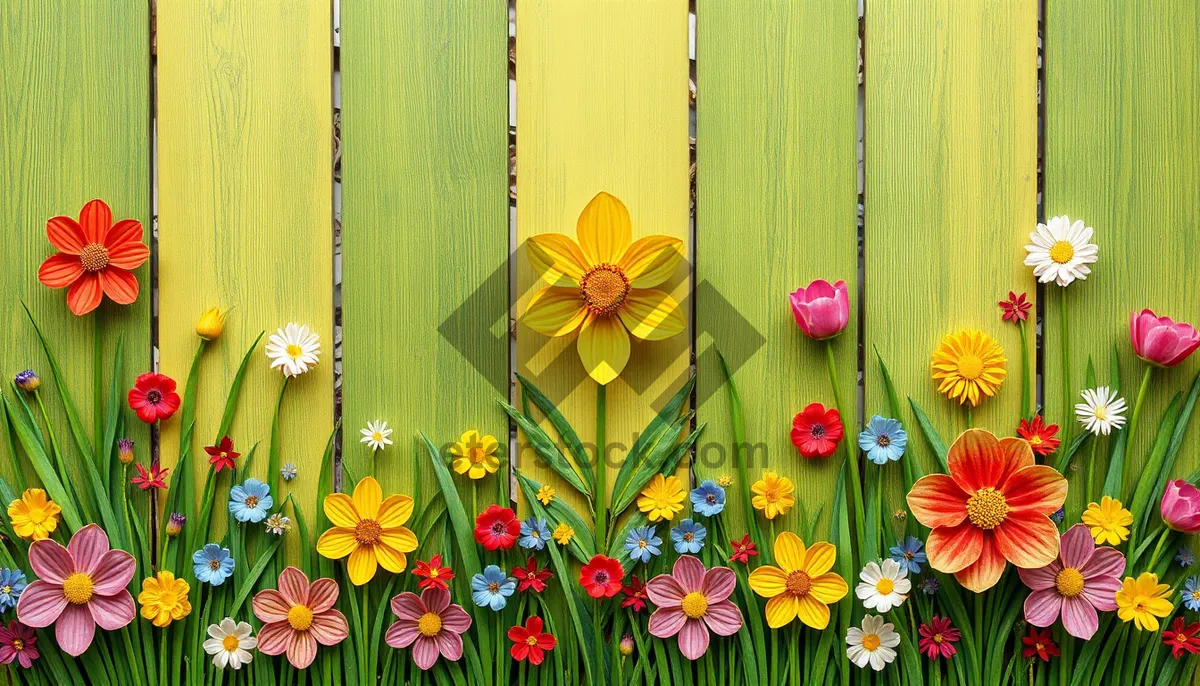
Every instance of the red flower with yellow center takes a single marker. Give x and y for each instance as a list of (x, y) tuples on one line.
[(222, 455), (95, 257), (433, 574), (1182, 637), (1040, 435)]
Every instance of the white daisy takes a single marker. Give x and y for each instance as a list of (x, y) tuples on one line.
[(1061, 251), (885, 587), (294, 349), (1101, 410), (376, 435), (230, 643), (875, 643)]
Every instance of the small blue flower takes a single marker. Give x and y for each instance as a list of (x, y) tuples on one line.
[(708, 498), (643, 543), (492, 588), (1191, 594), (212, 564), (535, 534), (929, 586), (884, 439), (1185, 557), (288, 471), (250, 501), (1059, 515), (688, 537), (909, 554), (12, 584)]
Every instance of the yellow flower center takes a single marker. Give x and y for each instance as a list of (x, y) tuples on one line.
[(476, 455), (938, 638), (377, 437), (251, 501), (1069, 582), (230, 643), (885, 586), (871, 642), (430, 624), (695, 605), (531, 641), (494, 586), (18, 645), (987, 508), (77, 588), (604, 288), (1062, 252), (771, 495), (642, 543), (1100, 412), (214, 565), (433, 573), (37, 515), (1035, 440), (798, 583), (970, 366), (294, 351), (1180, 638), (1196, 595), (300, 617), (6, 590), (94, 257), (367, 532)]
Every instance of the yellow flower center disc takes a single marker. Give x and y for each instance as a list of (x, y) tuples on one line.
[(1062, 252), (1069, 582), (230, 643), (430, 624), (300, 617), (18, 645), (294, 351), (885, 586), (367, 532), (695, 605), (799, 583), (94, 257), (604, 289), (251, 501), (77, 588), (531, 641), (871, 642), (970, 366), (986, 508)]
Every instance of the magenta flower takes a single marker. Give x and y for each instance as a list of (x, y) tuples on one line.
[(1159, 340), (18, 644), (1180, 506), (822, 310), (431, 624), (79, 587), (691, 601), (1081, 581)]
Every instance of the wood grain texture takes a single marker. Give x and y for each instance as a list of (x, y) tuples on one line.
[(75, 110), (425, 229), (776, 209), (602, 105), (1122, 112), (245, 216)]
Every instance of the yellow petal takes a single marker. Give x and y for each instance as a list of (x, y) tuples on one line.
[(604, 348), (781, 610), (819, 559), (390, 559), (555, 311), (556, 258), (789, 551), (768, 581), (362, 565), (652, 315), (395, 511), (400, 538), (651, 260), (812, 612), (461, 465), (604, 229), (340, 510), (829, 588), (337, 543), (367, 496)]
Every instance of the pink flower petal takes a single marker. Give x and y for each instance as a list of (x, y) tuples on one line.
[(112, 612), (41, 604), (50, 561), (329, 628), (408, 606), (322, 594), (293, 584), (270, 606), (689, 572), (1040, 577), (274, 637), (450, 645), (435, 599), (1076, 547), (75, 629), (401, 634), (87, 546), (303, 648), (665, 591), (1042, 607), (666, 621), (455, 619), (693, 639), (112, 572), (718, 584), (1101, 592), (425, 652), (1105, 562), (724, 618), (1079, 617)]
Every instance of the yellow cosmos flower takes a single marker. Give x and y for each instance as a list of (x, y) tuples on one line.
[(773, 494), (802, 585), (474, 455), (369, 529), (1109, 521), (1144, 600), (164, 599), (33, 515), (545, 494), (603, 286), (969, 364), (662, 498), (563, 534)]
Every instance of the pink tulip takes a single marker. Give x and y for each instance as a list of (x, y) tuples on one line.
[(822, 310), (1159, 340), (1180, 506)]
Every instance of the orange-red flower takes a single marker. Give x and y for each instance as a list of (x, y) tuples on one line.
[(95, 257), (993, 507), (1041, 436)]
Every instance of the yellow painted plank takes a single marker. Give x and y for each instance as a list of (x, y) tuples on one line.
[(245, 215)]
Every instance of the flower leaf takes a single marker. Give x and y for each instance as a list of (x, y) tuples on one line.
[(32, 444), (545, 448), (649, 438), (931, 435), (564, 429), (653, 464)]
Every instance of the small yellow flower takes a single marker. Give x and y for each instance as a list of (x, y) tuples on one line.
[(33, 515), (545, 494), (724, 481), (369, 529), (969, 364), (802, 585), (773, 494), (164, 599), (474, 455), (211, 324), (1109, 521), (1144, 600), (662, 498), (563, 534)]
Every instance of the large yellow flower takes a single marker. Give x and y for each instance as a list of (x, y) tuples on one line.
[(1144, 600), (369, 529), (475, 455), (773, 494), (33, 515), (802, 585), (164, 599), (969, 364), (603, 285), (662, 498), (1109, 521)]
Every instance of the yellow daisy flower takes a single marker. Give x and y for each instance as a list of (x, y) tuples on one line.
[(773, 494), (164, 599), (1109, 521), (369, 529), (724, 481), (603, 286), (662, 498), (802, 585), (545, 494), (474, 455), (1144, 600), (969, 364), (563, 534), (33, 515)]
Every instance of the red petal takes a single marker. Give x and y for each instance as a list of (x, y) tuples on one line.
[(60, 270), (66, 235), (118, 284), (954, 548), (128, 254), (85, 294), (937, 500), (1038, 489), (124, 231), (1028, 541), (978, 460), (986, 571), (95, 218)]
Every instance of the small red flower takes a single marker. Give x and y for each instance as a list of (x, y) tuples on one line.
[(743, 550), (1039, 643), (1182, 637), (1016, 308), (497, 528), (530, 576), (147, 480), (433, 574), (221, 455), (153, 397), (530, 641), (1039, 435), (95, 257), (635, 595), (816, 431), (601, 577), (938, 638), (18, 643)]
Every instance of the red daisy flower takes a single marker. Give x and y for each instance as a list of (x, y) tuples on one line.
[(221, 455), (1182, 637), (433, 574), (497, 528), (153, 397), (530, 641), (938, 638), (95, 257), (147, 480), (635, 595), (1016, 308), (1039, 643), (1041, 436), (816, 431), (530, 576), (743, 550), (601, 577)]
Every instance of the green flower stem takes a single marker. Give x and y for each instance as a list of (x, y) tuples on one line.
[(98, 386), (1026, 402), (64, 475), (601, 503), (1090, 487), (1065, 347), (1162, 539), (1133, 420), (850, 457)]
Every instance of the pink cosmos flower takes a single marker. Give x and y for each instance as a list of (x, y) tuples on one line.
[(822, 310), (691, 601), (1081, 581), (78, 587), (1180, 506), (431, 624), (18, 644), (1159, 340), (298, 616)]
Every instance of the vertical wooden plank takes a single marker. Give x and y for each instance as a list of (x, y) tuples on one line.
[(245, 213), (1122, 112), (602, 105), (776, 165), (425, 229)]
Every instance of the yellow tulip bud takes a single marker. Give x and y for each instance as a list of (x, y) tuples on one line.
[(211, 324)]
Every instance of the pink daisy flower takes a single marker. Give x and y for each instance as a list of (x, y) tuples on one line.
[(1083, 579), (298, 616), (692, 601), (430, 624)]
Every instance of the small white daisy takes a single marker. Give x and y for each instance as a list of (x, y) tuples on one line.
[(278, 524), (883, 586), (230, 643), (1101, 410), (376, 435), (294, 349), (1061, 251), (874, 643)]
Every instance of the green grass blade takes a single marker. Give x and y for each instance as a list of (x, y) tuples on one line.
[(652, 464), (112, 412), (650, 436), (583, 544), (1142, 493), (738, 420), (545, 449), (235, 390), (564, 429), (81, 439), (931, 435), (247, 585), (32, 445)]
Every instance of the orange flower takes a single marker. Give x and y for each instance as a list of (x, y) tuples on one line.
[(95, 257), (995, 505)]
